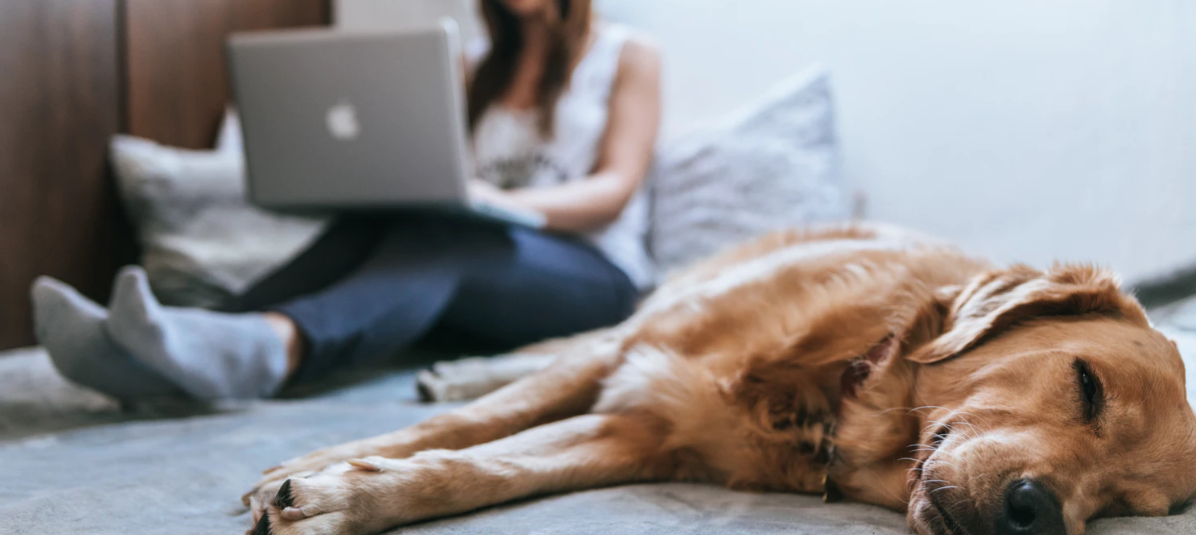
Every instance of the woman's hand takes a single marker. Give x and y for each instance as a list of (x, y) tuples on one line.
[(624, 157), (482, 191)]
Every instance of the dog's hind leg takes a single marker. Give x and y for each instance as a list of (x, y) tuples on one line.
[(472, 378), (568, 387), (370, 495)]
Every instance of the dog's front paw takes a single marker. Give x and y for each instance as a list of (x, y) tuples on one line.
[(348, 498), (312, 462), (299, 467)]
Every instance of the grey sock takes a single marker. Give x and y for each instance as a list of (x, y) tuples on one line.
[(211, 355), (71, 327)]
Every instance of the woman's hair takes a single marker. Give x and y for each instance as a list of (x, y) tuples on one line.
[(568, 26)]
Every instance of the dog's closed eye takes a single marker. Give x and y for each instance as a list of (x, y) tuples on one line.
[(1092, 395), (937, 440)]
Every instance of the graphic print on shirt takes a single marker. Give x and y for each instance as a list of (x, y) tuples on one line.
[(517, 171)]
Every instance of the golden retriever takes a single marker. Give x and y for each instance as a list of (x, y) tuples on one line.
[(857, 361)]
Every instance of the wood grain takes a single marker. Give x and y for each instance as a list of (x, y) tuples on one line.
[(72, 74), (59, 104), (177, 84)]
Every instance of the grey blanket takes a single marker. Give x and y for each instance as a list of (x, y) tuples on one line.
[(73, 462)]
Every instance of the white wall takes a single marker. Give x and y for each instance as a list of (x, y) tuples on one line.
[(1026, 130)]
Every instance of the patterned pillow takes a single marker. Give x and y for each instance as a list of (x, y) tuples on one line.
[(771, 165), (201, 240)]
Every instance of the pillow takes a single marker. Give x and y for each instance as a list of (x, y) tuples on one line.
[(201, 240), (771, 165)]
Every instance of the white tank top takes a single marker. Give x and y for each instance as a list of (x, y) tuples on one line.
[(510, 152)]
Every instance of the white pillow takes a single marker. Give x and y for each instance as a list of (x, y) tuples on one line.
[(201, 240), (773, 164)]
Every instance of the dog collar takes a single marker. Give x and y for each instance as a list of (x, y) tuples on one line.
[(830, 491)]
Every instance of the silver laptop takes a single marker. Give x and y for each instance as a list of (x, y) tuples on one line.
[(357, 121)]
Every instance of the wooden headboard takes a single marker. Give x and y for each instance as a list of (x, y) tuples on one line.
[(75, 72)]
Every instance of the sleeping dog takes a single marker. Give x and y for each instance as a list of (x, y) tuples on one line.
[(858, 362)]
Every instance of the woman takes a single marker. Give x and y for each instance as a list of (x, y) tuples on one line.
[(564, 113)]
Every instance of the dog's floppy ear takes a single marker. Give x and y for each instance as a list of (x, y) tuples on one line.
[(996, 300)]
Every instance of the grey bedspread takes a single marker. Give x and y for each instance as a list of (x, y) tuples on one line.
[(72, 462)]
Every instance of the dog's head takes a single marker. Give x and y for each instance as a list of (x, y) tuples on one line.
[(1049, 401)]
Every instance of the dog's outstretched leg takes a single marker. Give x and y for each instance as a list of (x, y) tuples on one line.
[(568, 387), (369, 495)]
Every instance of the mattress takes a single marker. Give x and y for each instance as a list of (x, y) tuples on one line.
[(73, 462)]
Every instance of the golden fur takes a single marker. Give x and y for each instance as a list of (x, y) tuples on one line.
[(732, 373)]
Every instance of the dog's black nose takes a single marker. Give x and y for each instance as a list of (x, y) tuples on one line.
[(1030, 508)]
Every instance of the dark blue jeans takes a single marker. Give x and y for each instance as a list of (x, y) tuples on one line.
[(370, 287)]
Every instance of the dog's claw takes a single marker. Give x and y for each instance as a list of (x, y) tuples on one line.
[(263, 526), (284, 498)]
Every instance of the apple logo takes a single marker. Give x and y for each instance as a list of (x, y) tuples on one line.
[(342, 121)]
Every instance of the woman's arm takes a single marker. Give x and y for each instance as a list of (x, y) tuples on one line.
[(625, 157)]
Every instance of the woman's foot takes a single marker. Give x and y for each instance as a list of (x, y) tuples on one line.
[(71, 327), (210, 355)]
